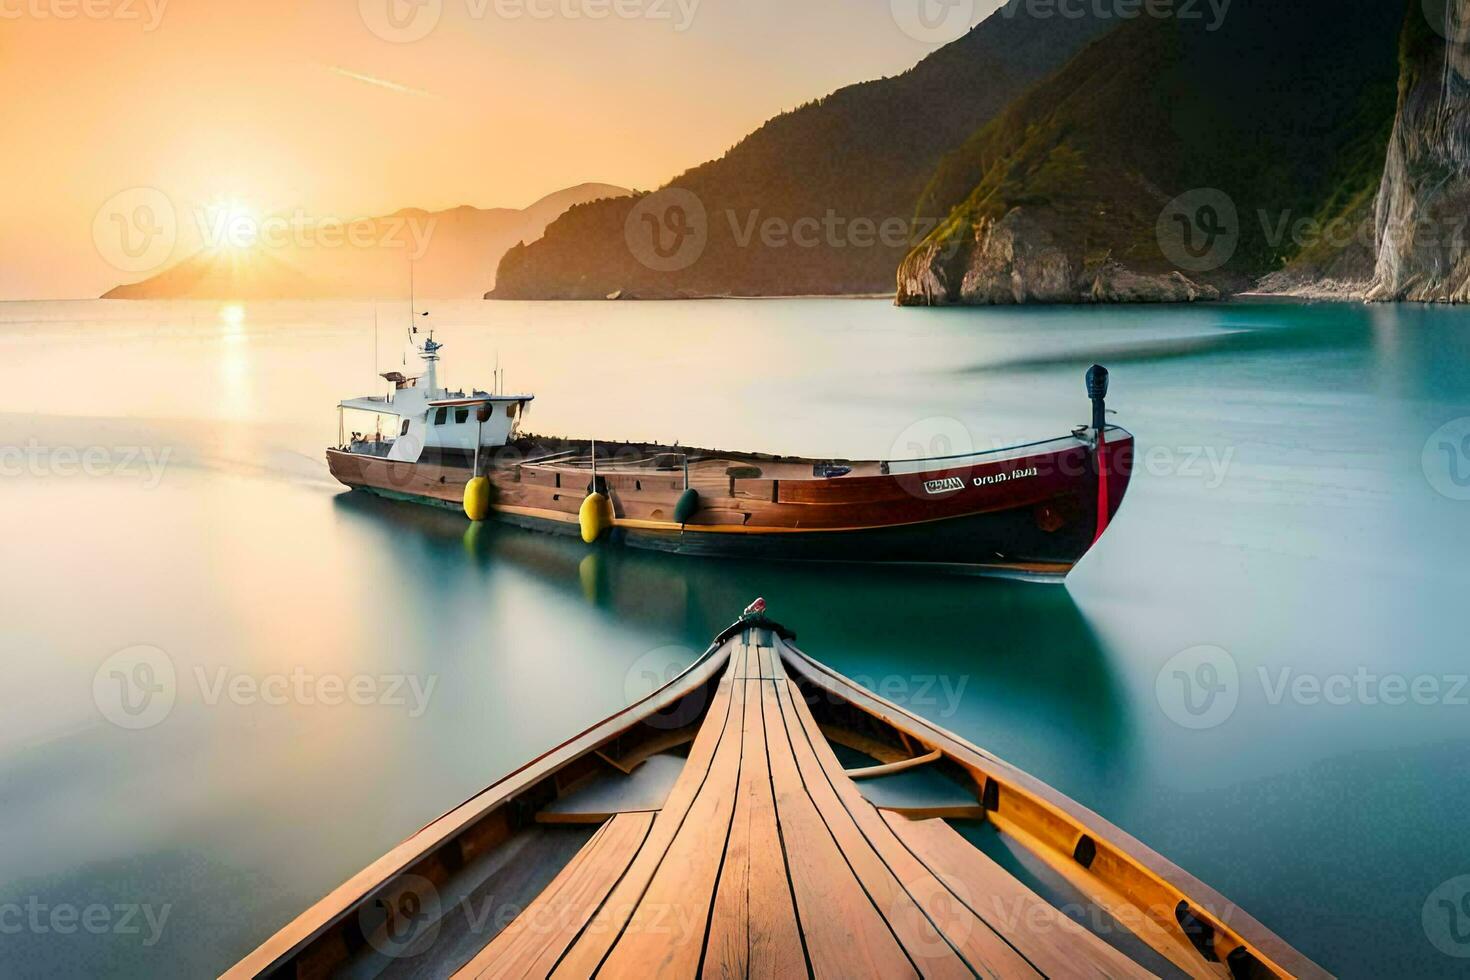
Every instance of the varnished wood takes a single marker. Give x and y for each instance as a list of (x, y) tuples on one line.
[(1051, 942), (1029, 510), (664, 937), (845, 934), (942, 939), (888, 768), (753, 928), (595, 942), (765, 859), (1125, 873), (525, 945)]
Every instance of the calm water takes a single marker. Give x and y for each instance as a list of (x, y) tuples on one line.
[(1285, 516)]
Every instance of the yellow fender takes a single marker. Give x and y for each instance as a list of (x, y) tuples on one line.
[(477, 499), (595, 516)]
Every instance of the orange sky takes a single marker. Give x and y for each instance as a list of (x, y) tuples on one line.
[(300, 103)]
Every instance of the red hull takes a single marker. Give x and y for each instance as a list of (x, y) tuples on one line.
[(1031, 510)]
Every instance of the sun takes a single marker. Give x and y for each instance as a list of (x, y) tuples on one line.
[(229, 225)]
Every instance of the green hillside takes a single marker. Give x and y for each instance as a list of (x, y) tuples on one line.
[(863, 153), (1286, 110)]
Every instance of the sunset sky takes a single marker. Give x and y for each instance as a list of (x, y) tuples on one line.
[(333, 106)]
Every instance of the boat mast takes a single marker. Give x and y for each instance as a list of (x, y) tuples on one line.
[(430, 353), (1097, 392)]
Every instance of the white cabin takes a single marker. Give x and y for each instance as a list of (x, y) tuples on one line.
[(433, 424)]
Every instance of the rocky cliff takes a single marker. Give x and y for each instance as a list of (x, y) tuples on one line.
[(1424, 200), (1169, 161), (817, 200)]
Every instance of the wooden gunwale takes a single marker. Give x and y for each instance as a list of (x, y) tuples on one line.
[(1242, 930), (890, 857), (296, 935)]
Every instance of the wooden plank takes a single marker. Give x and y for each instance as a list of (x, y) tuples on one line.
[(1057, 945), (1125, 873), (769, 663), (331, 912), (845, 935), (665, 935), (743, 657), (595, 941), (536, 935), (935, 942), (609, 792), (965, 908), (753, 930)]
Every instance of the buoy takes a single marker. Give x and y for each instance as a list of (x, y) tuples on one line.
[(595, 516), (687, 506), (477, 498), (589, 570)]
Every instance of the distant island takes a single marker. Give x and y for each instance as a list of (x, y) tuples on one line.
[(1314, 148), (454, 252)]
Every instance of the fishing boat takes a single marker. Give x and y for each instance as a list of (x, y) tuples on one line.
[(1029, 510), (761, 815)]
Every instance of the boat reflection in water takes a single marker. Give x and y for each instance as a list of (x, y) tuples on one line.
[(995, 659), (762, 815)]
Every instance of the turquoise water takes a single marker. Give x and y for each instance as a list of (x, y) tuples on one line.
[(1295, 514)]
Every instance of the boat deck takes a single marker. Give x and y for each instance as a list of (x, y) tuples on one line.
[(765, 859), (709, 468)]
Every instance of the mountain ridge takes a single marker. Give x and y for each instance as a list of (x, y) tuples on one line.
[(1098, 183), (461, 248), (858, 155)]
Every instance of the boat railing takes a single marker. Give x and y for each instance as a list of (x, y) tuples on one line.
[(605, 465)]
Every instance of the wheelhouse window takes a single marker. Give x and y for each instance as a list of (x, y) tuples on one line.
[(461, 415), (440, 416), (404, 431), (510, 410)]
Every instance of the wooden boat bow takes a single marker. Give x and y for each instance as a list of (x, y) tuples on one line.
[(713, 829)]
